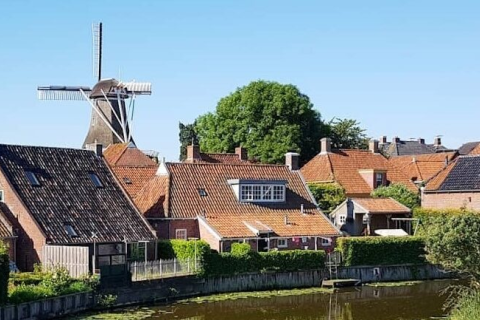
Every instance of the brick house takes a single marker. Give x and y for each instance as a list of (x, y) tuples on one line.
[(398, 147), (359, 172), (69, 198), (456, 186), (364, 216), (267, 206)]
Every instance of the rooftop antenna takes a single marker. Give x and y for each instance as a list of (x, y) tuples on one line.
[(112, 118)]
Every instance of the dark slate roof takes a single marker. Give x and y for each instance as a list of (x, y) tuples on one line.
[(465, 175), (467, 148), (408, 148), (67, 195)]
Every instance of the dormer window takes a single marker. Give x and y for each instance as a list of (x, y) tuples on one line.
[(259, 190), (32, 178), (96, 180), (379, 179)]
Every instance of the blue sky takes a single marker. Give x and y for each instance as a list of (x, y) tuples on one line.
[(409, 68)]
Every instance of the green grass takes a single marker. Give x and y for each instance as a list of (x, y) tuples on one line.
[(256, 294), (468, 308)]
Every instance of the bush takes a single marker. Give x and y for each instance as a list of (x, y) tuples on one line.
[(27, 278), (25, 293), (399, 192), (183, 250), (240, 249), (216, 264), (327, 195), (4, 273), (165, 250), (381, 250)]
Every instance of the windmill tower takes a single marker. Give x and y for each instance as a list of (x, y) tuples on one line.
[(112, 101)]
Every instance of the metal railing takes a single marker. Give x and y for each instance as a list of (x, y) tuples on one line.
[(158, 269)]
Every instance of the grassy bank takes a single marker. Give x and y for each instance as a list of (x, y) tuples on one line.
[(468, 308)]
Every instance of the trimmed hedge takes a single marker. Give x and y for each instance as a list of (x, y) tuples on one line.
[(4, 273), (381, 250), (282, 261), (182, 249)]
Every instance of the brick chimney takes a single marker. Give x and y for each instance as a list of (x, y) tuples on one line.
[(383, 140), (242, 153), (421, 140), (325, 145), (395, 140), (291, 160), (193, 153), (373, 146), (437, 141)]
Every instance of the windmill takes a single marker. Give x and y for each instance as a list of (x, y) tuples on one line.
[(111, 121)]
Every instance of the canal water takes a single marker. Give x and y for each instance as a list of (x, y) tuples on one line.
[(411, 302)]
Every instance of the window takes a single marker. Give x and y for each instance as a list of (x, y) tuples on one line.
[(342, 219), (378, 179), (126, 180), (304, 239), (32, 178), (181, 234), (202, 192), (70, 231), (326, 242), (262, 193), (1, 196), (282, 243), (96, 180)]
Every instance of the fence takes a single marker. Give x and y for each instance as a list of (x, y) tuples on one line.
[(157, 269), (73, 258)]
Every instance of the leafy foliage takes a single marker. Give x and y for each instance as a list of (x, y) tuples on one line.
[(398, 192), (216, 264), (267, 118), (183, 250), (347, 134), (454, 241), (328, 195), (468, 307), (4, 273), (187, 136), (239, 249), (381, 250)]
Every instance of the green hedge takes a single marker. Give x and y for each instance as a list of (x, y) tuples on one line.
[(182, 249), (216, 264), (381, 250), (4, 273)]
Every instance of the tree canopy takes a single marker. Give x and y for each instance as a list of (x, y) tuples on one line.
[(267, 118), (347, 134), (187, 136), (399, 192)]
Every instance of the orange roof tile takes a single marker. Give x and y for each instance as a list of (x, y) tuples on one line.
[(475, 151), (220, 203), (436, 182), (381, 205), (122, 154), (133, 179), (343, 167), (422, 167), (235, 226)]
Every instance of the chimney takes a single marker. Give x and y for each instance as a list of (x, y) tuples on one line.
[(99, 150), (383, 140), (193, 153), (373, 146), (437, 141), (395, 140), (242, 153), (301, 209), (291, 160), (421, 140), (285, 218), (325, 145)]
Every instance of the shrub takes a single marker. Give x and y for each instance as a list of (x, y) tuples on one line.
[(327, 195), (183, 249), (26, 278), (4, 273), (240, 249), (381, 250), (165, 250), (229, 263), (25, 293), (399, 192)]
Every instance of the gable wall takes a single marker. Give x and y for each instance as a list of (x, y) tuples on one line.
[(468, 200), (30, 239)]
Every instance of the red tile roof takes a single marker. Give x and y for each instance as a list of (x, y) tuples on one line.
[(225, 158), (422, 167), (132, 178), (343, 167), (123, 154), (179, 197), (381, 205)]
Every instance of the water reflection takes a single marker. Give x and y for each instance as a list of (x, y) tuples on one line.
[(419, 301)]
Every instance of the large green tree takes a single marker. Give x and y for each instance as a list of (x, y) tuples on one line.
[(267, 118), (327, 195), (399, 192), (187, 136), (347, 134)]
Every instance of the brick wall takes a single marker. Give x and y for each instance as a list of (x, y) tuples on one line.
[(468, 200), (166, 228), (30, 238), (210, 238)]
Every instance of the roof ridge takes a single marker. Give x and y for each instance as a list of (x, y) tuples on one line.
[(44, 147), (228, 164)]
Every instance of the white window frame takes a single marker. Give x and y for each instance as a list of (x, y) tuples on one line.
[(282, 243), (304, 239), (262, 193), (2, 196), (326, 242), (177, 231), (342, 219)]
